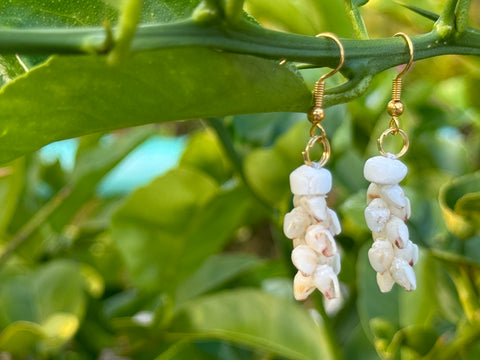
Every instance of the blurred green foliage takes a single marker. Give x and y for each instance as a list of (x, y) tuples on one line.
[(194, 264)]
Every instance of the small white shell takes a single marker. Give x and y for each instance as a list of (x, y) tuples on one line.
[(302, 286), (320, 240), (397, 232), (403, 274), (381, 255), (385, 281), (307, 180), (409, 253), (297, 199), (373, 192), (384, 170), (295, 223), (304, 259), (298, 242), (377, 215), (326, 281), (404, 212), (316, 206), (394, 195), (334, 262), (334, 223)]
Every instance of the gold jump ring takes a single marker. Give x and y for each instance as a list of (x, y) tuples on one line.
[(406, 142)]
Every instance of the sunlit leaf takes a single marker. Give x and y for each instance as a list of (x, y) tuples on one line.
[(215, 271), (20, 338), (83, 95), (168, 228), (255, 319), (459, 201)]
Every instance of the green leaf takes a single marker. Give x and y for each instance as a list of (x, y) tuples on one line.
[(17, 301), (73, 96), (268, 170), (185, 350), (204, 153), (148, 228), (59, 328), (20, 338), (11, 184), (255, 319), (215, 271), (59, 288), (168, 228), (42, 308), (48, 13), (420, 338), (460, 204)]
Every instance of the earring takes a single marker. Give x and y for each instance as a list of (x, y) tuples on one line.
[(392, 254), (311, 224)]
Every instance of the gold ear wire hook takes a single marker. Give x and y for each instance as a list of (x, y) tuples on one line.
[(410, 51), (342, 54), (317, 113), (395, 107)]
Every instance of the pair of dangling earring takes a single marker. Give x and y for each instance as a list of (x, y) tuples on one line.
[(312, 225)]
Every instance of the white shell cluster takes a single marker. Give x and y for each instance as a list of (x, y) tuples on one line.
[(312, 225), (392, 254)]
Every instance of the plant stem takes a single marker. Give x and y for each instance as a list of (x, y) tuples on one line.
[(246, 38), (462, 14), (32, 225), (129, 19), (353, 12), (446, 23), (466, 293)]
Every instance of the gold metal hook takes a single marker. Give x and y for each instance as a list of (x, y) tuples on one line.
[(410, 51), (342, 54), (395, 106), (317, 114)]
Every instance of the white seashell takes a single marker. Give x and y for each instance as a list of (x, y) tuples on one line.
[(326, 281), (397, 232), (333, 223), (377, 215), (320, 240), (382, 234), (373, 192), (381, 255), (304, 259), (297, 199), (295, 223), (298, 242), (302, 286), (316, 206), (403, 274), (307, 180), (334, 262), (404, 212), (384, 170), (394, 195), (385, 281), (409, 253)]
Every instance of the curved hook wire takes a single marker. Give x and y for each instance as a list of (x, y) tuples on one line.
[(410, 51), (342, 54)]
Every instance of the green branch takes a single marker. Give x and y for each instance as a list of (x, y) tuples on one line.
[(246, 38)]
